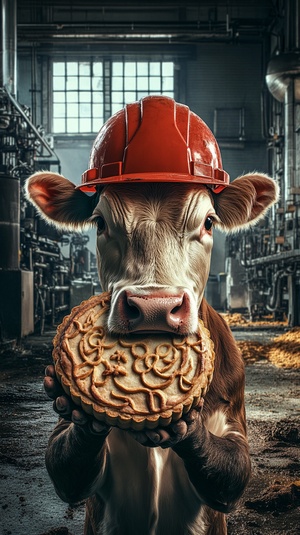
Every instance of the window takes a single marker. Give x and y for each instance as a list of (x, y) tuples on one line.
[(86, 93), (136, 79), (77, 96)]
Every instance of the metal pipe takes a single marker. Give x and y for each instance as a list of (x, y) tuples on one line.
[(275, 296), (292, 11), (61, 308), (33, 128), (46, 253), (40, 265), (289, 144), (59, 288), (9, 223), (297, 25), (9, 45), (293, 255), (43, 311)]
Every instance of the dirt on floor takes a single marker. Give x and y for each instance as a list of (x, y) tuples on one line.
[(271, 503)]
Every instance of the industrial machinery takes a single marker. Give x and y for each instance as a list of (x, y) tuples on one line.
[(263, 264), (38, 283)]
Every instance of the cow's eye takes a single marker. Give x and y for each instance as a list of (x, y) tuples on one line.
[(208, 223), (100, 222)]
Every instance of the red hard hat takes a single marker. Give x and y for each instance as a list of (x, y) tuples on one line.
[(155, 140)]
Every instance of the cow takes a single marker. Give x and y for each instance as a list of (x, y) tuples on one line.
[(157, 191)]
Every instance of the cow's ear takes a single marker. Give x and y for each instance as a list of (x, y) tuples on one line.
[(245, 201), (57, 200)]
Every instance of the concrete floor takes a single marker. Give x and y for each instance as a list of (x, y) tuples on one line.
[(28, 503)]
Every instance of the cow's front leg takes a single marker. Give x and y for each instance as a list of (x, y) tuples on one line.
[(76, 453), (218, 466)]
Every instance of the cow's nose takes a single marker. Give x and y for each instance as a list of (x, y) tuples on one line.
[(157, 311)]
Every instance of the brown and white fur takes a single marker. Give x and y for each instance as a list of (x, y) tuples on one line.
[(155, 241)]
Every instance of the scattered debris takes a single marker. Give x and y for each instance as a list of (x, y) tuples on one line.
[(287, 431), (252, 351), (283, 351), (237, 319), (279, 496)]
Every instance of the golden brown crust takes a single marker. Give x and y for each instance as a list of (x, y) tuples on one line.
[(134, 381)]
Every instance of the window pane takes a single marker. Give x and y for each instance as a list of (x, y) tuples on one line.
[(58, 84), (97, 123), (58, 96), (72, 68), (142, 83), (130, 83), (97, 69), (72, 110), (59, 110), (59, 125), (72, 125), (117, 96), (84, 110), (98, 97), (85, 125), (167, 84), (84, 83), (85, 96), (154, 84), (59, 69), (84, 69), (97, 111), (116, 107), (97, 84), (72, 97), (117, 68), (168, 68), (130, 69), (117, 83), (129, 96), (72, 83), (154, 68), (142, 69), (141, 94)]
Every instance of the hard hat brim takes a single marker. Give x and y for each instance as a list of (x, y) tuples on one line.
[(162, 177)]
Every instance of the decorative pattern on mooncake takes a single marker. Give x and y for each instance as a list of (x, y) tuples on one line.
[(132, 381)]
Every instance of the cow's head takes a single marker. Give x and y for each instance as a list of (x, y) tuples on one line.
[(154, 228)]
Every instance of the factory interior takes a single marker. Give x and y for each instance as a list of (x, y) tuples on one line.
[(66, 67)]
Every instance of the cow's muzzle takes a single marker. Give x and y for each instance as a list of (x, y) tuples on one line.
[(152, 310)]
